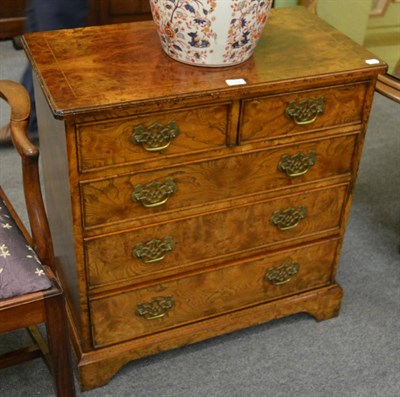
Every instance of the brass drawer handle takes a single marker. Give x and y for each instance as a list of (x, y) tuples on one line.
[(298, 164), (153, 250), (283, 274), (158, 307), (154, 193), (156, 137), (289, 218), (306, 111)]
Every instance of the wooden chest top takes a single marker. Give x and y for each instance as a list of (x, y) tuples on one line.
[(98, 68)]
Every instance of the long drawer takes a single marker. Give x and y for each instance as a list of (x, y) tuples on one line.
[(146, 253), (145, 138), (158, 307), (142, 195), (277, 116)]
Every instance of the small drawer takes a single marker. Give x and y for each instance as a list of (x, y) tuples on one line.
[(143, 311), (145, 138), (139, 255), (280, 116), (143, 195)]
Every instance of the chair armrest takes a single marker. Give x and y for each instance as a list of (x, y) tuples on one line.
[(18, 99)]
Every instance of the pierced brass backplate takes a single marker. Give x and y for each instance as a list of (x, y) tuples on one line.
[(156, 137), (306, 111), (297, 164), (158, 307), (283, 274), (155, 193), (289, 218), (153, 250)]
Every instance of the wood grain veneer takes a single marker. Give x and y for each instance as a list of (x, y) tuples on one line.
[(262, 118), (95, 86), (109, 143), (210, 293), (110, 200), (110, 257)]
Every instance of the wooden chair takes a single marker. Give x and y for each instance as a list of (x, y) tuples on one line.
[(29, 291)]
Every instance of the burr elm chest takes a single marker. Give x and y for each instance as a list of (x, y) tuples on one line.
[(183, 207)]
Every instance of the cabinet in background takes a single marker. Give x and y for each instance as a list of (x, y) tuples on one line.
[(12, 18), (104, 12)]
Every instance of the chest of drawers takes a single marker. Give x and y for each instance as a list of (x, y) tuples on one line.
[(183, 208)]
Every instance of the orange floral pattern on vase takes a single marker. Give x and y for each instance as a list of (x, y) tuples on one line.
[(184, 27), (246, 27), (210, 32)]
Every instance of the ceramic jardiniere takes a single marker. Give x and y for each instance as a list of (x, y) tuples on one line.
[(210, 32)]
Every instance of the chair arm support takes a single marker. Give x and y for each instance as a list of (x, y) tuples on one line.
[(18, 99)]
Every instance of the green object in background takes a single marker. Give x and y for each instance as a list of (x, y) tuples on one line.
[(285, 3), (349, 16), (381, 35)]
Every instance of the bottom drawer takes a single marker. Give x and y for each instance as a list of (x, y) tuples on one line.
[(147, 310)]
